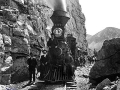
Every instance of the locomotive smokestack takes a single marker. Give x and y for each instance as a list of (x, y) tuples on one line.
[(60, 15), (60, 18)]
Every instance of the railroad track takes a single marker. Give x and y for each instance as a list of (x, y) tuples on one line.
[(70, 86), (66, 86)]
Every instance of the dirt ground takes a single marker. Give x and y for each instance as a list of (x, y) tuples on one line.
[(82, 82)]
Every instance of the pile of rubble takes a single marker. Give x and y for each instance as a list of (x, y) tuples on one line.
[(82, 79)]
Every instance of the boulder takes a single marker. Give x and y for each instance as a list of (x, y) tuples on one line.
[(18, 32), (7, 43), (114, 87), (7, 40), (6, 71), (19, 70), (20, 75), (5, 79), (118, 85), (108, 63), (20, 45), (5, 29), (104, 83), (6, 67), (9, 60)]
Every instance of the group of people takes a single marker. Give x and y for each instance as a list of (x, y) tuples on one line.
[(32, 65)]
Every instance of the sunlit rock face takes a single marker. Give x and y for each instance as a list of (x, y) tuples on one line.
[(34, 31), (76, 24), (108, 64)]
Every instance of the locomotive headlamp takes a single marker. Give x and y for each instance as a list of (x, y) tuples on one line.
[(57, 32)]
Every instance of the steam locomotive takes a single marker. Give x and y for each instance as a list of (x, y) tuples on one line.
[(59, 62)]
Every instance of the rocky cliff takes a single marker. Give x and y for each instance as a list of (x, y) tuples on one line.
[(32, 29), (76, 24), (108, 64)]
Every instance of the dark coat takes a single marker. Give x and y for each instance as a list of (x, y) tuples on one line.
[(43, 59), (32, 62)]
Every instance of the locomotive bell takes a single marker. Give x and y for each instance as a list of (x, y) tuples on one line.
[(60, 18)]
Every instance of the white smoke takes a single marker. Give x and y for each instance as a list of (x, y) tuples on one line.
[(57, 4)]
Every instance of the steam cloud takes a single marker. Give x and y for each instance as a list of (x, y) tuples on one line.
[(57, 4)]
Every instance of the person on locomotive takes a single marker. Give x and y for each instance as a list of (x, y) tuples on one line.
[(69, 64), (52, 42), (32, 63), (43, 57)]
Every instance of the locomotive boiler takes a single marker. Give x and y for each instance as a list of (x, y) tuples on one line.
[(58, 65)]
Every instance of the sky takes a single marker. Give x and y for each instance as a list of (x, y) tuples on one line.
[(100, 14)]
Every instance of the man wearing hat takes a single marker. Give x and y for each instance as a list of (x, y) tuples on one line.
[(43, 61), (32, 63)]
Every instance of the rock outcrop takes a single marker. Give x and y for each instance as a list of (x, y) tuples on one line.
[(30, 33), (108, 64)]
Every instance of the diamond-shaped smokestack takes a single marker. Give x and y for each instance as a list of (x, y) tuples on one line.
[(60, 17)]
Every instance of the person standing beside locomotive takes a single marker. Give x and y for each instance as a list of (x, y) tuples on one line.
[(32, 63), (43, 62)]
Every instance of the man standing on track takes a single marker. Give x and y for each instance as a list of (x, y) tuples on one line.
[(32, 62)]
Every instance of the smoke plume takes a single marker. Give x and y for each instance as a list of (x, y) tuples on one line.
[(57, 4)]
